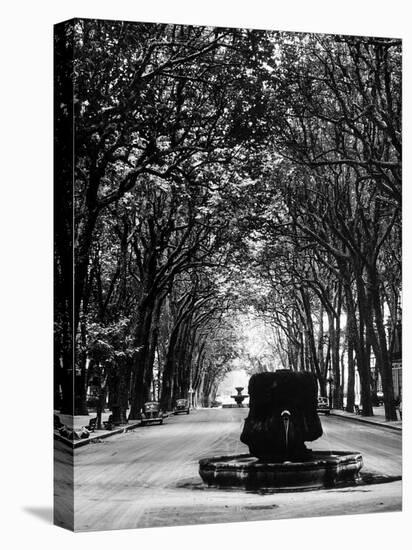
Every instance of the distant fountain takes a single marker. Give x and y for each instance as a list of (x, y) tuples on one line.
[(239, 398), (282, 417)]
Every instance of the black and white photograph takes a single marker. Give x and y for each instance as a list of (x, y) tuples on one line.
[(228, 282)]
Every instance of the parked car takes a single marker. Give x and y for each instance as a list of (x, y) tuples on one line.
[(182, 406), (151, 413), (323, 405)]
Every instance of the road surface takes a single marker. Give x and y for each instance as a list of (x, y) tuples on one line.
[(149, 477)]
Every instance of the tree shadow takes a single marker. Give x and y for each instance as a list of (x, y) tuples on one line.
[(45, 513)]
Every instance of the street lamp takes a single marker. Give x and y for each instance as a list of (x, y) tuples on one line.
[(191, 392), (330, 382)]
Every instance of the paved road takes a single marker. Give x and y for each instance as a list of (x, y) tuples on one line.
[(149, 477)]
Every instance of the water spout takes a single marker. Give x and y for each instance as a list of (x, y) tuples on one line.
[(285, 415)]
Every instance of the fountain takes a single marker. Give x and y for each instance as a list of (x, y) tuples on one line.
[(239, 398), (282, 417)]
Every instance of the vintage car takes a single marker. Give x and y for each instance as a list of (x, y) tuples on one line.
[(323, 405), (182, 406), (151, 413)]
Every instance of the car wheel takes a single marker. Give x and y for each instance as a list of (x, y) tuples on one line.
[(187, 412)]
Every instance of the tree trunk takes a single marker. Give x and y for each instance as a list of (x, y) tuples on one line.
[(139, 392), (119, 390), (381, 352), (362, 359), (350, 392), (334, 321), (80, 396), (168, 381), (101, 398), (153, 338), (321, 343), (357, 336), (314, 363)]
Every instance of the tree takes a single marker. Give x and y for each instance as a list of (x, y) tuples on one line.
[(218, 172), (152, 103)]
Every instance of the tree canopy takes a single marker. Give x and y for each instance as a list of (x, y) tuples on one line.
[(221, 174)]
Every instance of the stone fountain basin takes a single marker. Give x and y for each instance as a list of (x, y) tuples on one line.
[(322, 469)]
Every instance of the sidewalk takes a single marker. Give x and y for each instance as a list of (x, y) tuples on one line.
[(378, 419), (77, 422)]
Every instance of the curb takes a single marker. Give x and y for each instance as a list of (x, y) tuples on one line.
[(82, 442), (116, 431), (367, 421)]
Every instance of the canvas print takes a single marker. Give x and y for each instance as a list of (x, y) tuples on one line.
[(228, 288)]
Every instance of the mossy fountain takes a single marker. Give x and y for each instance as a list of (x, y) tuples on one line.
[(282, 417), (239, 397)]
